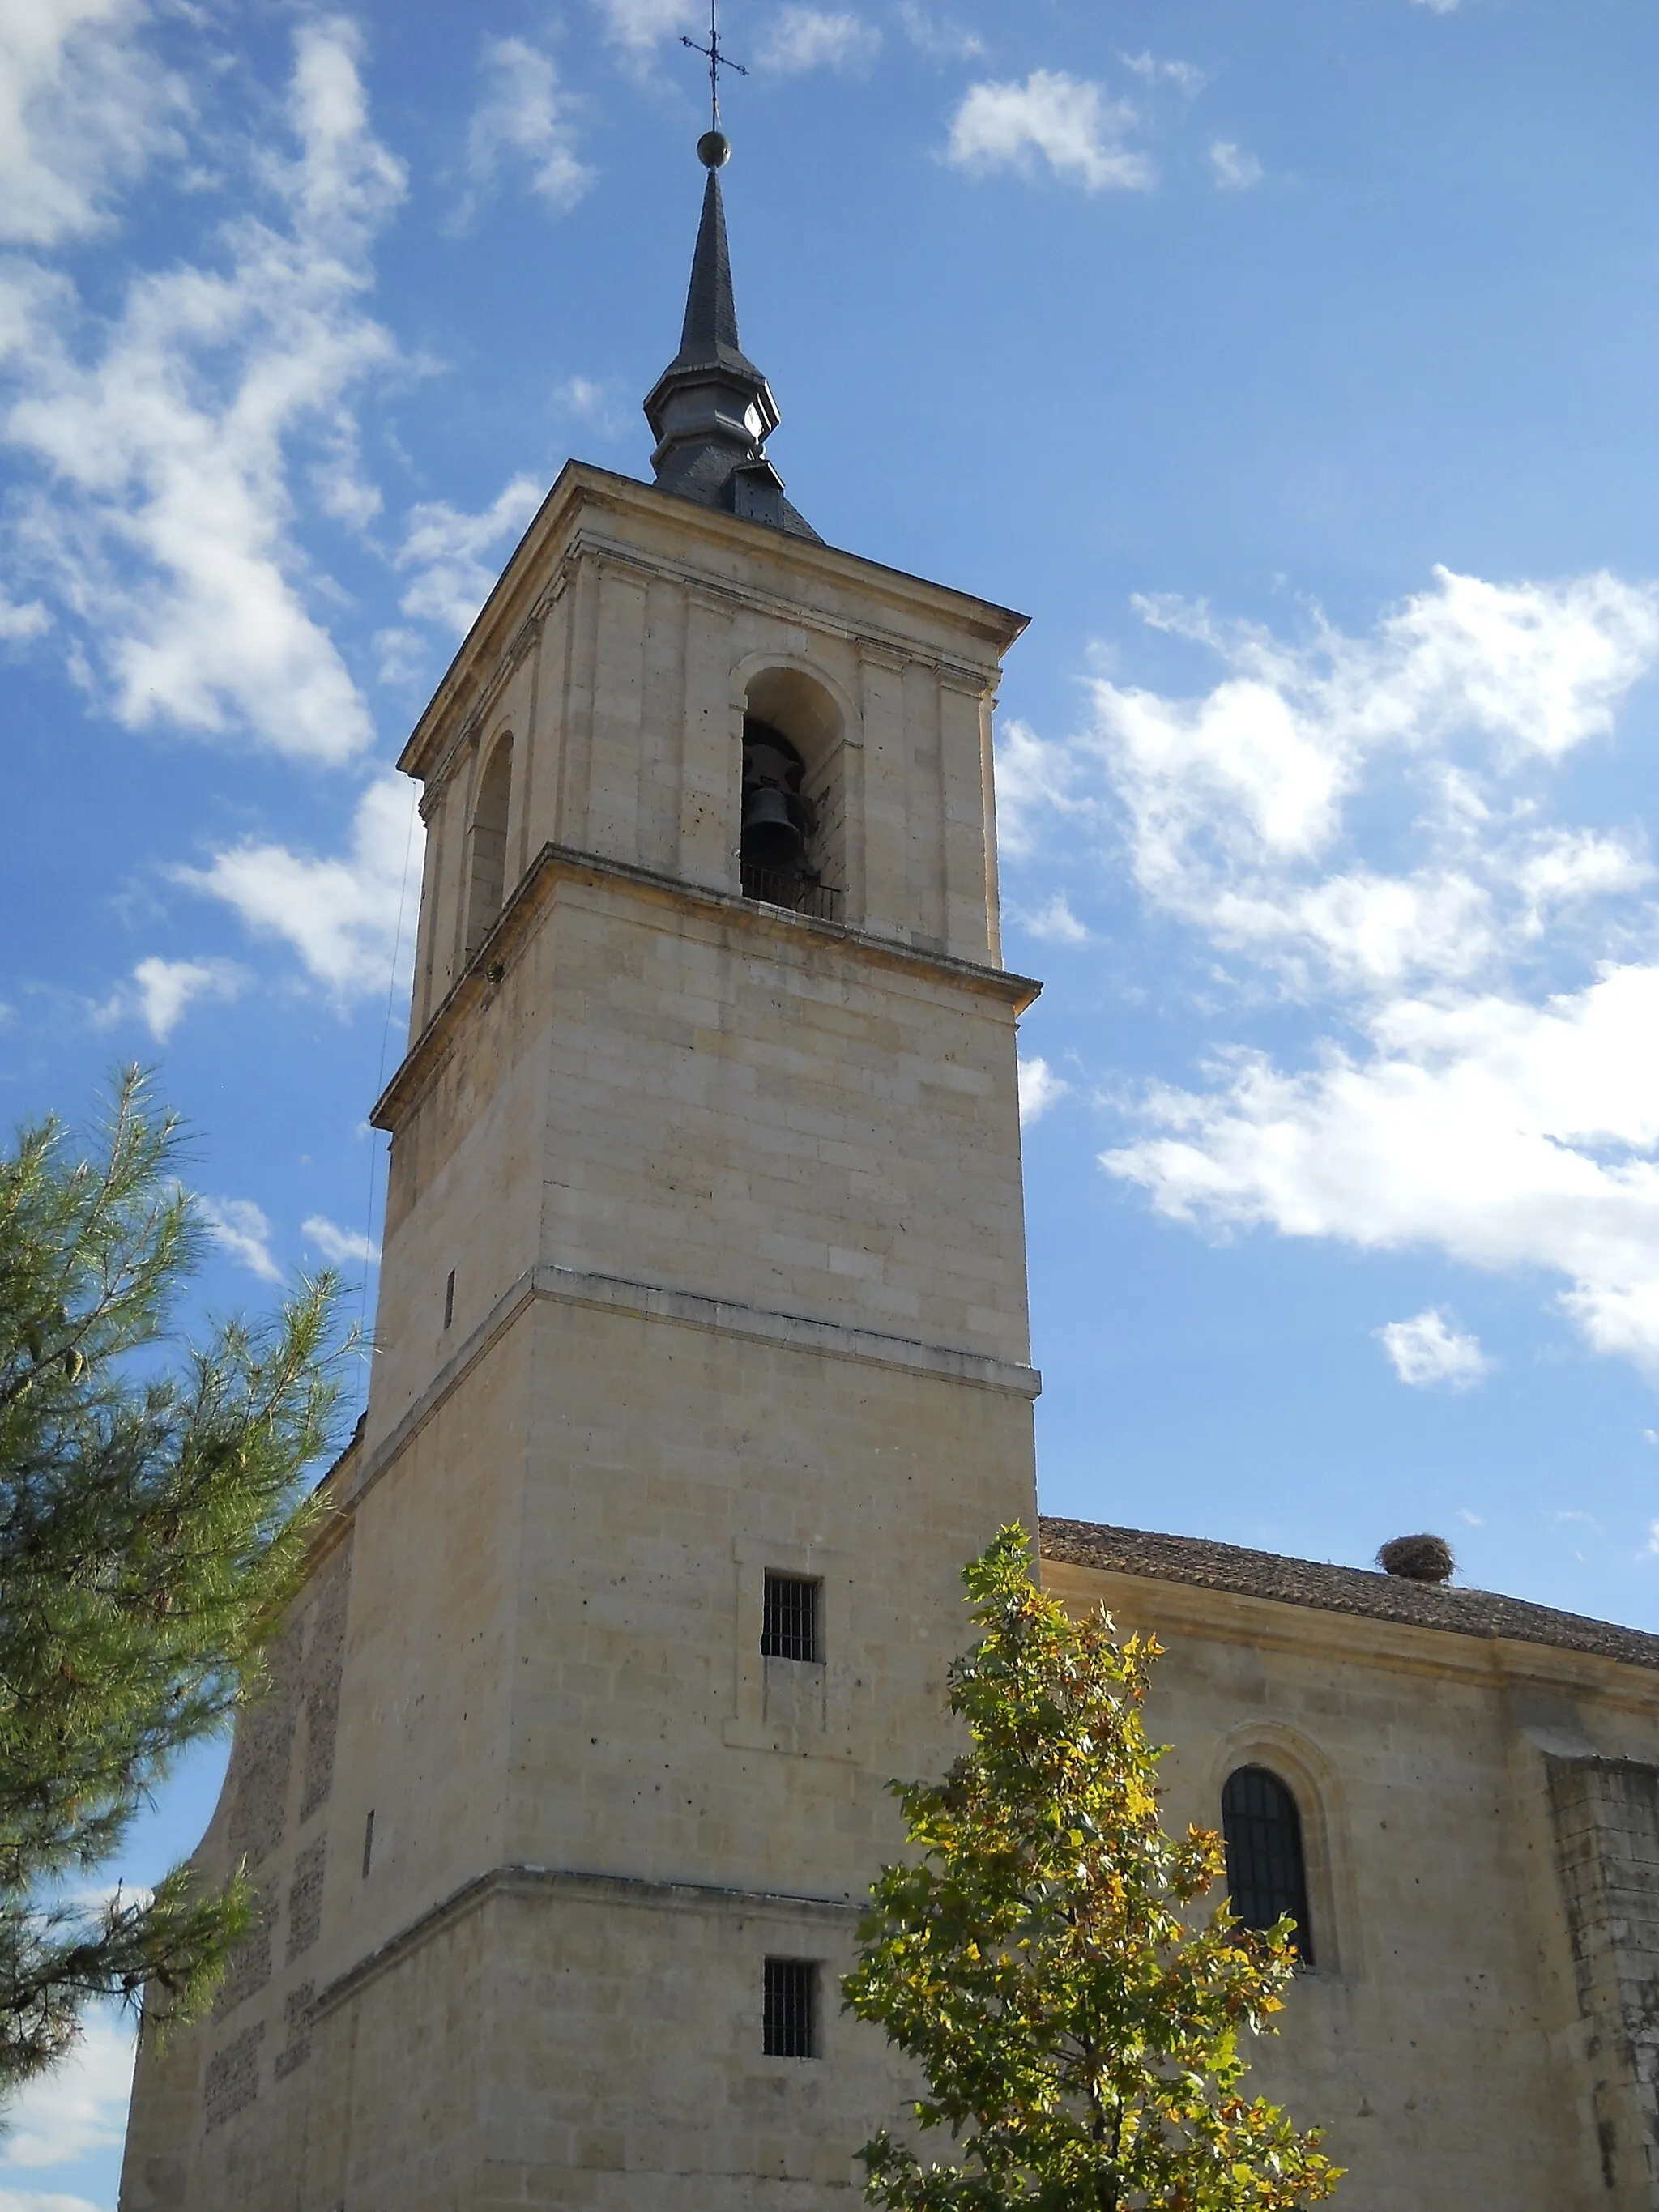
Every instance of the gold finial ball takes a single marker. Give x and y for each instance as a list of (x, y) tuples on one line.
[(714, 149)]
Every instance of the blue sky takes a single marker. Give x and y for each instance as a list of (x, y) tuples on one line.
[(1290, 364)]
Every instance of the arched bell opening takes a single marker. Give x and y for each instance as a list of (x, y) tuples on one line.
[(779, 818), (789, 839), (486, 856)]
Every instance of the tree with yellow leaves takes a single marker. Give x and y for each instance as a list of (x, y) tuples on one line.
[(1047, 1958)]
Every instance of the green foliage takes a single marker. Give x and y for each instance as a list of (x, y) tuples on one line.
[(151, 1530), (1076, 2023)]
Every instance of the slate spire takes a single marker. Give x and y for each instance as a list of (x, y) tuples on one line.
[(711, 312), (711, 409)]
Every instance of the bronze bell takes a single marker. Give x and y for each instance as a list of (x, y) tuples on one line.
[(771, 838)]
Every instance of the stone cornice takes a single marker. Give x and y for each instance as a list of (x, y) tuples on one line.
[(577, 1883), (557, 864), (656, 1301)]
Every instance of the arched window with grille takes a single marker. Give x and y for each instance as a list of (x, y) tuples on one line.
[(1267, 1873)]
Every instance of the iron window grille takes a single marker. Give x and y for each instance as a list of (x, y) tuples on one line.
[(789, 1617), (791, 2008), (1267, 1871)]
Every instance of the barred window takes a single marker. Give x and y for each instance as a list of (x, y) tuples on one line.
[(789, 1617), (1266, 1874), (791, 2008)]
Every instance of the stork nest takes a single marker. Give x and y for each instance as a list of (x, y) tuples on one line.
[(1418, 1559)]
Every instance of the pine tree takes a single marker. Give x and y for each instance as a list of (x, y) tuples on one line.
[(151, 1530), (1048, 1957)]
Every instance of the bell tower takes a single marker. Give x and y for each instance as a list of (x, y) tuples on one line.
[(702, 1367)]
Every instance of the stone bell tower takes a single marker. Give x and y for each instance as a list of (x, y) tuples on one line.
[(703, 1366)]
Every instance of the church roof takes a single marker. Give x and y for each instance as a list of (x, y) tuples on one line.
[(1197, 1561), (711, 410)]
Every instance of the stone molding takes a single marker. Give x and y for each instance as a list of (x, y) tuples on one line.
[(824, 1339), (981, 679), (580, 1883), (558, 864)]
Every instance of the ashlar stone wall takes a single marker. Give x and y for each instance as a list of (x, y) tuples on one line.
[(704, 1258), (193, 2102)]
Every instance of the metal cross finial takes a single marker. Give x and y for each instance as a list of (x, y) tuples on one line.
[(718, 59)]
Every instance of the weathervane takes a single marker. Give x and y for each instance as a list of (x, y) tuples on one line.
[(714, 147)]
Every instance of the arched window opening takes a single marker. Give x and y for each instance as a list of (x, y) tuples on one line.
[(792, 821), (1267, 1872), (486, 870)]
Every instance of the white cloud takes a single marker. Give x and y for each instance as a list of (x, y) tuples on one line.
[(1427, 1349), (937, 37), (1071, 124), (1481, 1074), (445, 549), (1236, 803), (1366, 927), (1566, 867), (404, 656), (1236, 171), (18, 624), (82, 108), (1507, 1135), (43, 2200), (1037, 779), (523, 122), (1039, 1088), (341, 916), (808, 38), (79, 2106), (583, 396), (598, 405), (1539, 666), (164, 527), (242, 1229), (638, 25), (1056, 923), (340, 1247), (166, 987), (1438, 7), (1186, 75)]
